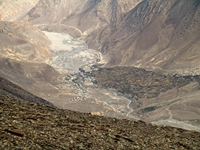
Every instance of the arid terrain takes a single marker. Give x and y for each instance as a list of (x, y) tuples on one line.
[(32, 126), (133, 59)]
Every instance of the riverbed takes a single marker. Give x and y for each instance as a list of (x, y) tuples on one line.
[(70, 54)]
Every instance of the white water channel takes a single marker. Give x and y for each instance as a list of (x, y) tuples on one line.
[(70, 53)]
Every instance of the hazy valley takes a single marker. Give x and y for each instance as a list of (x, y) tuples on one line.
[(136, 59)]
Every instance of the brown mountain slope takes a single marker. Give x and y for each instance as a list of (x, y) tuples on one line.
[(160, 34), (13, 10), (12, 91), (23, 42), (32, 126), (29, 75), (84, 16), (24, 50), (157, 35)]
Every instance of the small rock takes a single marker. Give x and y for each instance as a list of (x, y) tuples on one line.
[(16, 132)]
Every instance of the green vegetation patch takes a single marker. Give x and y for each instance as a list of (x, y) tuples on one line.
[(138, 82), (148, 109)]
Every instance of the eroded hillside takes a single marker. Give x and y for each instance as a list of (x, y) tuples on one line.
[(32, 126)]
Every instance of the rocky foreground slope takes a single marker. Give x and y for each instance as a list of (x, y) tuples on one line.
[(26, 125)]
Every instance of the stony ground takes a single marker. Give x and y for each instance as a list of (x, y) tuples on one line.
[(32, 126)]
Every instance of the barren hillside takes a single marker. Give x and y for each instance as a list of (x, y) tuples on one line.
[(32, 126)]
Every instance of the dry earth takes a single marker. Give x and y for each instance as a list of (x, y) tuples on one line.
[(31, 126)]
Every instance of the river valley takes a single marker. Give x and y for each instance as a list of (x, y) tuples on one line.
[(72, 58), (69, 56)]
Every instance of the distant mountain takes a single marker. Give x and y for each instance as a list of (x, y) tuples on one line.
[(158, 35)]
